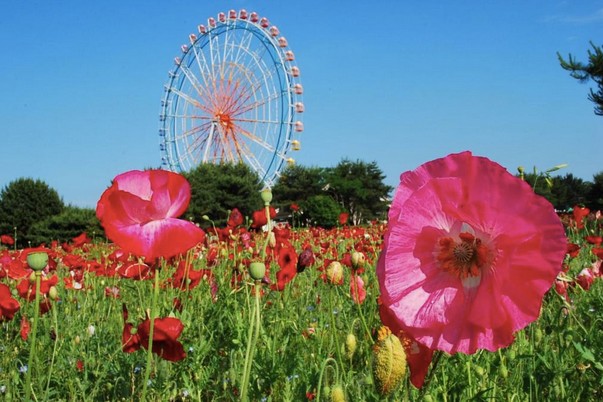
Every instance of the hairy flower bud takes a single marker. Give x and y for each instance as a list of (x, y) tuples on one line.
[(337, 394), (389, 361), (335, 272), (350, 345)]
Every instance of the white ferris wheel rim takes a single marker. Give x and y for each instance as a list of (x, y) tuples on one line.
[(233, 96)]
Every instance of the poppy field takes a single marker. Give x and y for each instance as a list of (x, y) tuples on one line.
[(460, 295)]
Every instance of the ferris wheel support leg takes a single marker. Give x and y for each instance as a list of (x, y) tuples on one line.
[(210, 138)]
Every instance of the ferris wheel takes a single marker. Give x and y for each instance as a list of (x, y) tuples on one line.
[(233, 96)]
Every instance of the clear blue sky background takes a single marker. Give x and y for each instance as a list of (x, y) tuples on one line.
[(396, 82)]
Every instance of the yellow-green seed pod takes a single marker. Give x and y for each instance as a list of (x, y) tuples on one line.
[(389, 364), (350, 345), (53, 293), (337, 394)]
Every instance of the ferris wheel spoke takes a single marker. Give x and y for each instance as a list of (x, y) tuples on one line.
[(230, 99)]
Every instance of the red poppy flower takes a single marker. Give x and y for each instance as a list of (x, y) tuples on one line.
[(294, 207), (596, 240), (80, 240), (287, 261), (305, 260), (580, 213), (25, 328), (27, 288), (139, 213), (235, 219), (573, 249), (343, 218), (134, 270), (7, 239), (166, 332), (259, 218), (8, 305), (455, 247)]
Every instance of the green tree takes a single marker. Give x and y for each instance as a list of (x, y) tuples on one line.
[(595, 193), (296, 184), (358, 187), (591, 71), (321, 210), (24, 202), (63, 227), (218, 188), (568, 191)]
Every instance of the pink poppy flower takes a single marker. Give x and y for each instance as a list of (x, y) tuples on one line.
[(469, 253), (357, 289), (139, 213)]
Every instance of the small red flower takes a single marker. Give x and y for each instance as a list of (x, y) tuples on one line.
[(294, 207), (580, 213), (235, 219), (259, 218), (343, 218), (25, 328), (287, 261), (165, 337), (573, 249), (8, 305), (305, 260), (357, 289), (596, 240), (7, 239), (80, 240)]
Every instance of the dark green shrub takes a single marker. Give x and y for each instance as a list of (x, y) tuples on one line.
[(321, 210), (63, 227), (24, 202)]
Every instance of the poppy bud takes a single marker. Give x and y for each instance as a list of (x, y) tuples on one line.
[(337, 394), (357, 259), (390, 361), (257, 270), (37, 260), (335, 272), (350, 345), (266, 196), (53, 293)]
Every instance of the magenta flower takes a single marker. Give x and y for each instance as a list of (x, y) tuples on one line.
[(469, 252), (139, 213)]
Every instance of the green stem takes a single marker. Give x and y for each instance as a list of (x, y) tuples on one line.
[(355, 284), (269, 224), (34, 330), (147, 372), (334, 338), (54, 349), (322, 370), (253, 333)]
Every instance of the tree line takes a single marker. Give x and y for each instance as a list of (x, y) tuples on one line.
[(34, 213)]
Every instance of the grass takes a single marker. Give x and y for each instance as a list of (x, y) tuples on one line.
[(301, 338)]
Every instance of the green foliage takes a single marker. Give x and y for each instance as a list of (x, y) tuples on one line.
[(591, 71), (296, 184), (595, 194), (24, 202), (321, 210), (559, 357), (218, 188), (63, 227), (358, 187)]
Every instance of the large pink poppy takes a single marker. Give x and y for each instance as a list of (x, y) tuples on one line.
[(139, 213), (469, 252)]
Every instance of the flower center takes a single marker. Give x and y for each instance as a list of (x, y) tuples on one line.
[(464, 258)]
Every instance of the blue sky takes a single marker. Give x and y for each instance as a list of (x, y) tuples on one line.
[(396, 82)]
